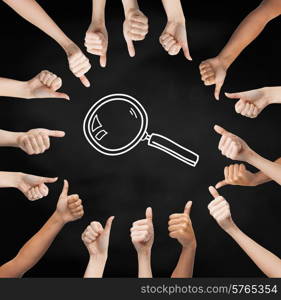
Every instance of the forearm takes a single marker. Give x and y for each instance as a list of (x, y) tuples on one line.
[(267, 167), (184, 268), (273, 94), (31, 11), (174, 11), (246, 32), (266, 261), (98, 13), (34, 249), (95, 266), (13, 88), (9, 138), (129, 4), (9, 179), (144, 263)]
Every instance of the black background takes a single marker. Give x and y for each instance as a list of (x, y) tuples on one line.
[(179, 106)]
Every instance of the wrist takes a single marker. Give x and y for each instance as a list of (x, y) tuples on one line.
[(102, 257), (144, 252), (189, 246), (57, 218), (130, 5), (10, 179), (272, 95), (251, 157), (13, 140), (225, 60), (232, 229)]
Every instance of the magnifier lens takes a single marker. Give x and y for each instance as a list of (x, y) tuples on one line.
[(115, 124)]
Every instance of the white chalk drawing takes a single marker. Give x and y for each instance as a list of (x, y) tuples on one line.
[(95, 132)]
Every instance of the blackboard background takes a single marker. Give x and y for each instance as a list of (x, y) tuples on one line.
[(179, 106)]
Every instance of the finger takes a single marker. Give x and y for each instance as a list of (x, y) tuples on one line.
[(138, 31), (246, 109), (226, 172), (85, 81), (235, 171), (234, 95), (222, 142), (28, 146), (174, 50), (187, 208), (140, 228), (226, 146), (49, 179), (250, 111), (213, 192), (231, 172), (239, 106), (65, 188), (109, 224), (148, 213), (218, 89), (33, 194), (60, 96), (38, 193), (131, 48), (185, 50), (218, 129), (136, 24), (177, 227), (175, 216), (50, 80), (210, 80), (140, 222), (221, 184), (103, 60), (169, 44), (242, 168), (40, 143), (176, 221), (56, 84), (44, 190), (56, 133), (34, 145)]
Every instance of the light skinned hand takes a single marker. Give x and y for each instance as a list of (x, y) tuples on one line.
[(96, 42), (212, 72), (69, 207), (142, 232), (79, 64), (45, 85), (219, 209), (135, 28), (96, 238), (34, 187), (232, 146), (251, 103), (237, 175), (174, 38), (180, 227), (36, 141)]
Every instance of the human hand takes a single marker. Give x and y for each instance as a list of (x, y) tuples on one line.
[(142, 233), (237, 175), (174, 38), (232, 146), (69, 207), (251, 103), (135, 28), (78, 63), (96, 238), (36, 141), (33, 187), (96, 42), (180, 227), (219, 209), (45, 85), (213, 71)]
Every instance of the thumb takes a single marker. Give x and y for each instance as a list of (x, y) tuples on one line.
[(213, 192), (187, 208), (221, 184), (218, 129), (131, 48), (234, 95), (85, 81), (218, 89), (56, 133), (49, 180), (109, 224), (60, 95), (65, 188), (103, 60), (148, 213), (185, 50)]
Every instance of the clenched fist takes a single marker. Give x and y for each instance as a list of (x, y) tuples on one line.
[(33, 187), (232, 146), (45, 85), (69, 207), (180, 227), (174, 38), (237, 175), (135, 28), (36, 141), (219, 209), (79, 64), (96, 42), (213, 71), (96, 238), (142, 232)]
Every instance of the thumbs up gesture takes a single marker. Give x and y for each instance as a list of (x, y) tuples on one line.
[(96, 238), (36, 141), (232, 146), (69, 207), (180, 227), (219, 209), (142, 232), (45, 85)]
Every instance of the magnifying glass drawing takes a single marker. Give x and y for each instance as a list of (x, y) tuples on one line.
[(117, 123)]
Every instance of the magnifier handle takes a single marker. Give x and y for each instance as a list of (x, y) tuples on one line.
[(174, 149)]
